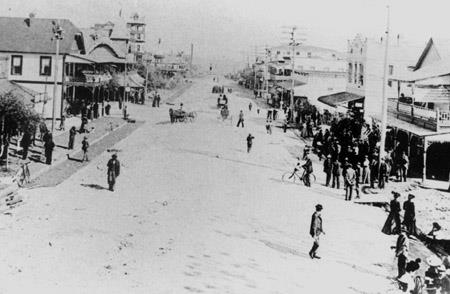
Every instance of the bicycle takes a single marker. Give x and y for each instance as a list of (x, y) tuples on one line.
[(22, 176), (294, 177)]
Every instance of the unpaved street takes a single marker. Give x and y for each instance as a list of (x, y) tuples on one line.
[(193, 213)]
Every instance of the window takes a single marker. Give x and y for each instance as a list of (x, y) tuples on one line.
[(360, 51), (298, 53), (45, 66), (361, 74), (391, 70), (138, 48), (16, 65), (356, 73), (390, 83), (309, 54), (278, 52), (350, 72)]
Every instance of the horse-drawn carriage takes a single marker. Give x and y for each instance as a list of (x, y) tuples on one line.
[(181, 115), (218, 89)]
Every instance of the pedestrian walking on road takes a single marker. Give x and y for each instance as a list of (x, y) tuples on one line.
[(393, 217), (249, 142), (25, 143), (337, 171), (409, 218), (250, 106), (316, 230), (328, 169), (113, 171), (285, 125), (72, 134), (241, 119), (85, 149), (308, 168), (350, 178), (269, 127), (49, 145), (401, 252)]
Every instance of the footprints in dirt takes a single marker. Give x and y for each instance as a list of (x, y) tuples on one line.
[(209, 273)]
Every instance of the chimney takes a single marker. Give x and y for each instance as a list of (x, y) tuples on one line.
[(31, 15)]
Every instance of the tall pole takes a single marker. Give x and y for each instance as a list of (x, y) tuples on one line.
[(254, 69), (384, 101), (266, 72), (125, 80), (146, 79), (293, 44), (58, 36)]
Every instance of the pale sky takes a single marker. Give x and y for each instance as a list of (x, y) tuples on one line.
[(225, 31)]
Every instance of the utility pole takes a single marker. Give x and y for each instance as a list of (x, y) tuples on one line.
[(384, 101), (254, 69), (125, 77), (293, 45), (146, 77), (266, 72), (57, 31)]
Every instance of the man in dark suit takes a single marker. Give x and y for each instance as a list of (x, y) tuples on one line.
[(316, 230)]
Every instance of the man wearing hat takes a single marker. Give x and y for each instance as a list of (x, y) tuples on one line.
[(409, 219), (394, 216), (327, 169), (315, 230), (113, 171), (349, 179)]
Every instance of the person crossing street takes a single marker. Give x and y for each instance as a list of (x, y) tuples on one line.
[(316, 230), (241, 119), (113, 171)]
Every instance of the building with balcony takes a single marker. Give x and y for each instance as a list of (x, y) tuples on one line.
[(129, 34), (419, 115)]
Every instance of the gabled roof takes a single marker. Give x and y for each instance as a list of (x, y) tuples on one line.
[(95, 42), (35, 35), (120, 30)]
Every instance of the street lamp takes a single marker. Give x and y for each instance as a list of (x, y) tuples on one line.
[(58, 35)]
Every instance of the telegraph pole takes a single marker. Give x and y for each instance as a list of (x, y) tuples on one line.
[(254, 69), (57, 31), (384, 101), (293, 44)]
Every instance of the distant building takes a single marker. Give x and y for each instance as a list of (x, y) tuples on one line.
[(318, 71), (129, 33), (365, 70)]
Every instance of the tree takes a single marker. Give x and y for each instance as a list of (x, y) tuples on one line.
[(15, 117)]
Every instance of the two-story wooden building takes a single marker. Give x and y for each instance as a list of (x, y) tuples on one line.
[(27, 56)]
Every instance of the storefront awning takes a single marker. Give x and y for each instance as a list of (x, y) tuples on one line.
[(337, 99), (27, 95), (288, 84)]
